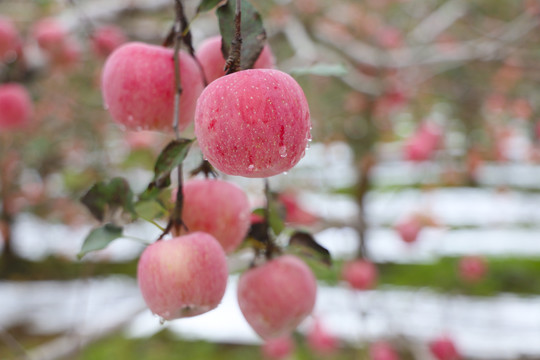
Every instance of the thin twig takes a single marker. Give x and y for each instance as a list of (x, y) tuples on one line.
[(177, 77), (233, 63)]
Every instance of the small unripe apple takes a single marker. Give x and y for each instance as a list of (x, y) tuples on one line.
[(278, 348), (9, 40), (219, 208), (409, 228), (472, 268), (360, 274), (212, 61), (16, 107), (253, 123), (184, 276), (381, 350), (277, 296), (443, 348), (138, 87), (50, 35), (320, 341), (106, 39)]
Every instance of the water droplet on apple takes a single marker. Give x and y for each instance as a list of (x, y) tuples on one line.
[(283, 151), (251, 167), (162, 320)]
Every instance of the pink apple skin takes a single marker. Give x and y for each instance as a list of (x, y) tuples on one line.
[(219, 208), (9, 39), (381, 350), (294, 213), (106, 39), (320, 341), (184, 276), (253, 123), (138, 87), (16, 107), (472, 268), (422, 145), (443, 348), (50, 35), (409, 229), (278, 348), (275, 297), (360, 274), (212, 61)]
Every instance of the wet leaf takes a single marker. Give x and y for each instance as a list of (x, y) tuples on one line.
[(111, 201), (207, 5), (321, 70), (100, 238), (304, 243), (253, 33), (171, 157)]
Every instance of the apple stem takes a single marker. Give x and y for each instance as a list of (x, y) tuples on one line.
[(271, 247), (233, 62), (177, 80)]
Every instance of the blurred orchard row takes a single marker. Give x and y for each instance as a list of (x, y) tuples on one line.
[(444, 89)]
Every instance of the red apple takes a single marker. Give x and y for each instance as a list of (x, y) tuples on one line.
[(138, 87), (9, 40), (277, 296), (184, 276), (106, 39), (443, 348), (382, 350), (409, 228), (219, 208), (423, 143), (50, 35), (16, 108), (294, 213), (472, 268), (278, 348), (212, 61), (320, 341), (360, 274), (253, 123)]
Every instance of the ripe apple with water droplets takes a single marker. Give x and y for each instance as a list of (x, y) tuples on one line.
[(219, 208), (275, 297), (253, 123), (212, 61), (184, 276), (138, 87)]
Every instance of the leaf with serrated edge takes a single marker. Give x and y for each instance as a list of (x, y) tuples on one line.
[(307, 245), (99, 238), (110, 200), (253, 33), (171, 157), (207, 5)]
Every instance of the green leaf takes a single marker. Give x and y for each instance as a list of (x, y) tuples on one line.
[(149, 209), (171, 157), (207, 5), (275, 219), (304, 243), (100, 238), (111, 202), (322, 70), (253, 33)]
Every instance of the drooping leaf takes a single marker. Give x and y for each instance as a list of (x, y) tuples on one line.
[(149, 209), (171, 157), (111, 201), (207, 5), (304, 243), (321, 69), (253, 33), (100, 238)]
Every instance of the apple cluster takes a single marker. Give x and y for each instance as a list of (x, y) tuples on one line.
[(253, 123)]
